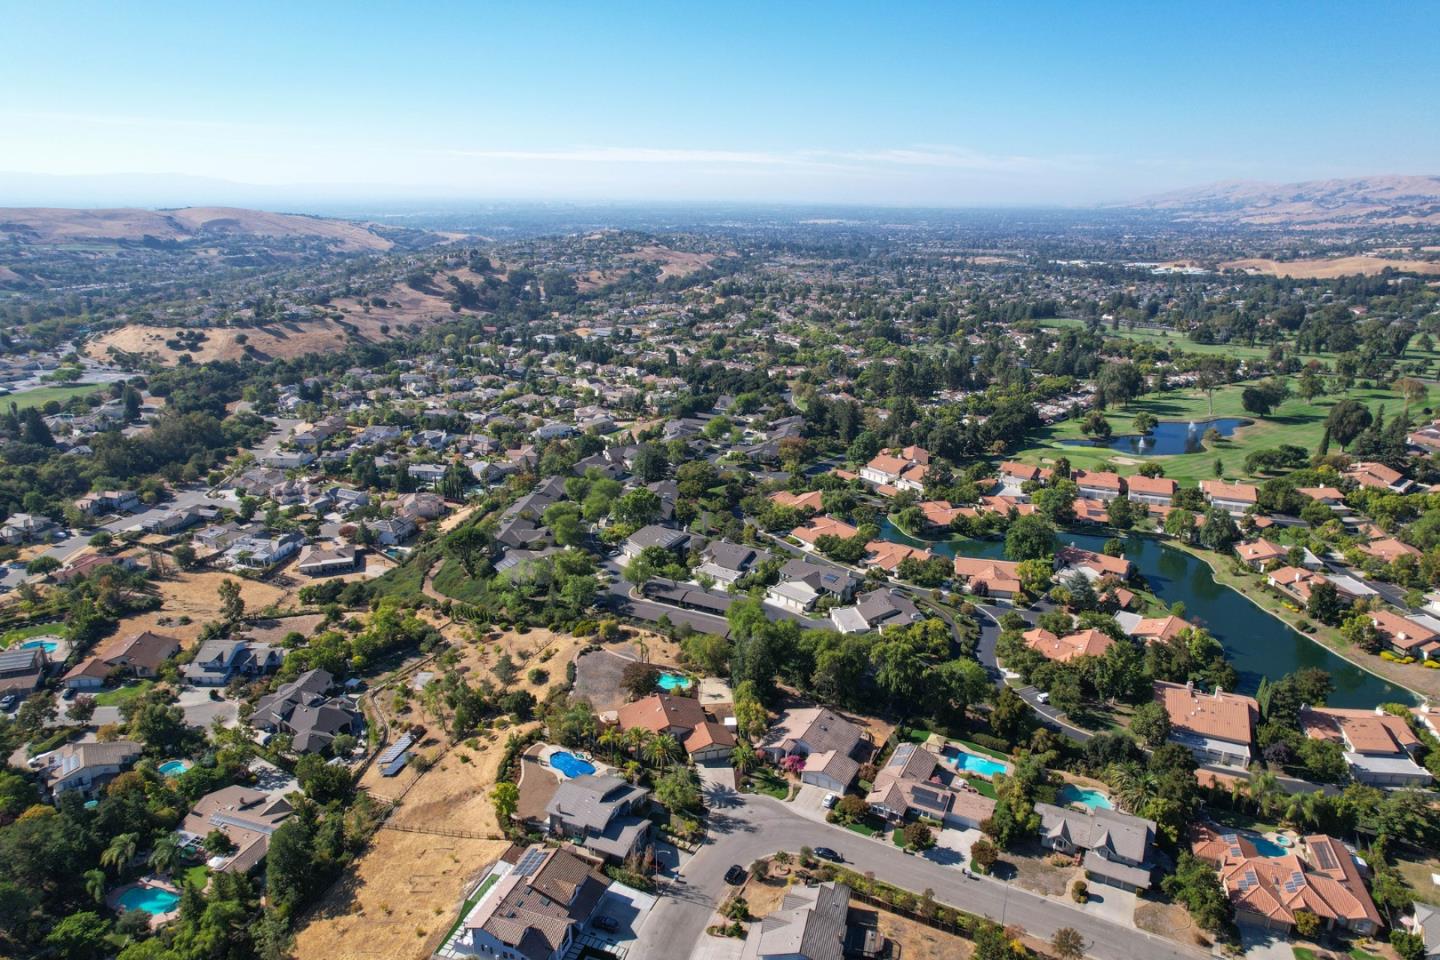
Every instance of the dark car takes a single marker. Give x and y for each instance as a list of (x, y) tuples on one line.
[(825, 853), (735, 875), (608, 924)]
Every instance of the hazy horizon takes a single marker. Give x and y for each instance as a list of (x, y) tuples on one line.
[(931, 105)]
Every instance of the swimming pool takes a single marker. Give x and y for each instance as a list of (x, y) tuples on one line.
[(1267, 847), (1093, 799), (674, 681), (173, 768), (153, 900), (974, 763), (570, 765), (49, 646)]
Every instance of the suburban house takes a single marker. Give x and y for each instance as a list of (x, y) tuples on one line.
[(887, 555), (797, 596), (302, 710), (1116, 846), (811, 501), (105, 502), (1379, 476), (1258, 554), (654, 535), (261, 553), (1380, 747), (246, 816), (1332, 497), (897, 470), (996, 579), (1152, 629), (1216, 727), (1082, 643), (1014, 475), (1320, 877), (913, 783), (601, 813), (1426, 924), (727, 562), (1072, 559), (1404, 636), (142, 654), (811, 924), (535, 909), (686, 596), (880, 609), (822, 526), (1388, 549), (704, 738), (220, 659), (22, 669), (1151, 491), (826, 579), (85, 766), (1099, 484), (24, 528), (316, 561), (1233, 498), (395, 531), (829, 743)]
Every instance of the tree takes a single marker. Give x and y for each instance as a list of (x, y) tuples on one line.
[(1145, 423), (1264, 396), (639, 679), (42, 566), (984, 854), (1196, 885), (95, 884), (744, 758), (851, 809), (1151, 723), (1346, 420), (164, 853), (80, 936), (1030, 538), (120, 852), (1121, 513), (232, 604), (1410, 946), (918, 836), (1219, 530), (676, 790), (1180, 524), (1307, 924), (1324, 602), (506, 798), (1068, 944)]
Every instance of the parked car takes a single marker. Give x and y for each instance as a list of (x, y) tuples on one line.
[(825, 853), (1043, 696), (829, 802), (735, 875), (607, 923), (7, 702)]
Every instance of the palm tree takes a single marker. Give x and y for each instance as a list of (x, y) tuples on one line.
[(120, 852), (633, 770), (95, 881), (743, 758), (165, 854), (635, 739), (611, 741), (1265, 789), (657, 750)]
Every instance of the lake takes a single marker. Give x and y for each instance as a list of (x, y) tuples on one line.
[(1257, 643), (1169, 437)]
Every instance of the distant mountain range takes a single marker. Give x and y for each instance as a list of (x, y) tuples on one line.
[(51, 225), (1316, 204)]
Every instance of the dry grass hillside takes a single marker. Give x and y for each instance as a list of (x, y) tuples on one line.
[(50, 225), (360, 321), (1329, 267), (1315, 204)]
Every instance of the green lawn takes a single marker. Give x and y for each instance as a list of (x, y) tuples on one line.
[(770, 783), (197, 876), (43, 395), (1303, 953), (862, 828), (983, 751), (21, 634), (1295, 422), (122, 695), (469, 905), (982, 786)]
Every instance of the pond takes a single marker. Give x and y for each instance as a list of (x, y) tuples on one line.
[(1256, 643), (1169, 437)]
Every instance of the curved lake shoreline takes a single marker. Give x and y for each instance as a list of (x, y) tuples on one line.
[(1258, 647)]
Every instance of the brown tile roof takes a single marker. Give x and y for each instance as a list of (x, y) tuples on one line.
[(1364, 731), (1218, 715), (662, 711)]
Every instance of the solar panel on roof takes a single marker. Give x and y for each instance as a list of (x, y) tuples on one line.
[(395, 749), (1325, 856), (530, 862)]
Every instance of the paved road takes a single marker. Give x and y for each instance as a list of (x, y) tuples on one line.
[(745, 827), (989, 633)]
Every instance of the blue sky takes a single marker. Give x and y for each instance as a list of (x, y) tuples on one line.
[(916, 103)]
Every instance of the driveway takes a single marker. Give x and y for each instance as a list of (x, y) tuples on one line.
[(716, 777), (1260, 944), (754, 826)]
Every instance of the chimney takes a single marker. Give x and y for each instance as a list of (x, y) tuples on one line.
[(1190, 686), (1218, 691), (1379, 712)]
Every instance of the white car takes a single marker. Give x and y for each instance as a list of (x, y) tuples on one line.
[(1043, 697), (829, 802)]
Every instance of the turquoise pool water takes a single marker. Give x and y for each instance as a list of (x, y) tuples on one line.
[(1093, 799), (570, 765), (1267, 847), (152, 900), (974, 763), (50, 646), (173, 768), (674, 681)]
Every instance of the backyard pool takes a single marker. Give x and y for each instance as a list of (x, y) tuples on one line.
[(674, 681), (49, 646), (1267, 847), (173, 768), (974, 763), (1093, 799), (153, 900), (570, 765)]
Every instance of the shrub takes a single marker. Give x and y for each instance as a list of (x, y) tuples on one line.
[(1080, 891)]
